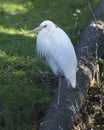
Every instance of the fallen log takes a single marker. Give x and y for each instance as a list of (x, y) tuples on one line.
[(88, 50)]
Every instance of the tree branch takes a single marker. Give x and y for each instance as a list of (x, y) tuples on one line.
[(63, 117)]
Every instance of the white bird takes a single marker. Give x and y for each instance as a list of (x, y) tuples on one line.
[(57, 48)]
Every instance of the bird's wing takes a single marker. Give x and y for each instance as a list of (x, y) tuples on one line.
[(64, 55)]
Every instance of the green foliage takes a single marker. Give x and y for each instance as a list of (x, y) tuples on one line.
[(101, 63), (22, 95)]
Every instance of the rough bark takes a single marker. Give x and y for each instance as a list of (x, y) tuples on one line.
[(87, 50)]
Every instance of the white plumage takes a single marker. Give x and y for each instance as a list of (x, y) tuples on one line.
[(54, 44)]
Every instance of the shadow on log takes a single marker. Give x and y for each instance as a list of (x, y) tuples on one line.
[(90, 47)]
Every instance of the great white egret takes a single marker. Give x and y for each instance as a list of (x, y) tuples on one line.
[(54, 44)]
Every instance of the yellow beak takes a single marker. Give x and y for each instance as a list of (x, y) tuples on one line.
[(35, 30)]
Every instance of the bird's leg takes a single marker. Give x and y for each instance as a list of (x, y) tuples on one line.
[(59, 89)]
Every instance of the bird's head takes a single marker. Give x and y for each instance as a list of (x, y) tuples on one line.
[(45, 25)]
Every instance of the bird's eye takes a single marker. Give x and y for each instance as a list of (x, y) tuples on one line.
[(45, 26)]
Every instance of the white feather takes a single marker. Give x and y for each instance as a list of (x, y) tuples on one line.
[(54, 44)]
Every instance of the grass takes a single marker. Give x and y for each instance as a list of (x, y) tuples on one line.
[(23, 98)]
